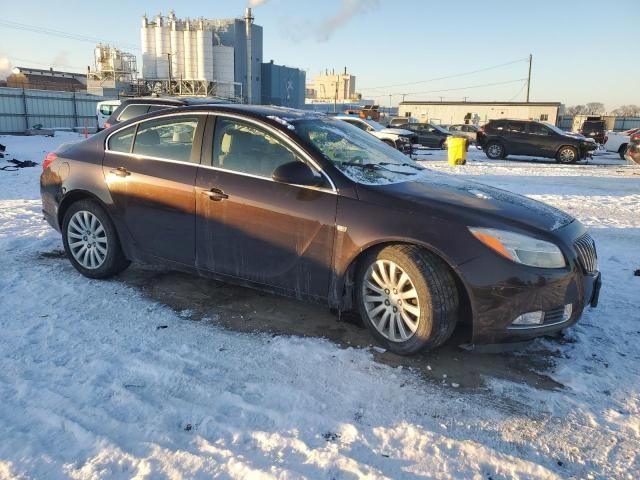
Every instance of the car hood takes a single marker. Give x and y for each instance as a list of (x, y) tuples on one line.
[(476, 201)]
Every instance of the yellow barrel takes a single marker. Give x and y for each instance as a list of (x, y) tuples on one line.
[(457, 150)]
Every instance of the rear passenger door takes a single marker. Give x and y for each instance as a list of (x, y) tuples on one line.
[(150, 169), (516, 138)]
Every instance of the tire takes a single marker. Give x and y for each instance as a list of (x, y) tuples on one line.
[(98, 254), (430, 292), (567, 155), (622, 150), (495, 151)]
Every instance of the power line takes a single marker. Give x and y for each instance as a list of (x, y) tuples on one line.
[(448, 76), (61, 34), (524, 84), (466, 88)]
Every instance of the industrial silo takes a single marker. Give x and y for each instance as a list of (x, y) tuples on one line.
[(147, 37), (162, 48)]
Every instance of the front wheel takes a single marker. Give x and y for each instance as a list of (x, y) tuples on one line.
[(90, 241), (567, 155), (407, 297)]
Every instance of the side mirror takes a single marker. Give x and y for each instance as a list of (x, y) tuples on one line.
[(296, 173)]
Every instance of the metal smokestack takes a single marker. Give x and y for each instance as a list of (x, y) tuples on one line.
[(248, 20)]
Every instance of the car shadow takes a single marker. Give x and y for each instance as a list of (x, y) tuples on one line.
[(247, 310)]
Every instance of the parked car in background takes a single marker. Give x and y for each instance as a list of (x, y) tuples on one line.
[(104, 110), (134, 107), (500, 138), (633, 149), (306, 205), (397, 121), (619, 141), (400, 139), (464, 130), (596, 129), (433, 136)]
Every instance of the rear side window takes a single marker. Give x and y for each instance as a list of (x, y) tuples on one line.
[(121, 141), (131, 111), (170, 139)]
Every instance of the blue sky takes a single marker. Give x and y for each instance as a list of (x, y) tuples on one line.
[(582, 50)]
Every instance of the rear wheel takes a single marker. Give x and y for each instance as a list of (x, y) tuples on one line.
[(495, 151), (407, 297), (567, 155), (622, 150), (91, 242)]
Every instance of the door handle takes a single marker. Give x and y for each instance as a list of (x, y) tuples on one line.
[(120, 172), (215, 194)]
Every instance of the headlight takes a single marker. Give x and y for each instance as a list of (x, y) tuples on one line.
[(521, 248)]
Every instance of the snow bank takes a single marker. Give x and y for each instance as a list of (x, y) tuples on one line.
[(92, 387)]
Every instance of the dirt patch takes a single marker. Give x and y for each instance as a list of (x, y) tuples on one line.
[(247, 310)]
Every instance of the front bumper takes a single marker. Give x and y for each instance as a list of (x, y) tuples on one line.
[(501, 290)]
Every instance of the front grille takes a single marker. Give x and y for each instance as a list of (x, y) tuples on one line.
[(587, 255)]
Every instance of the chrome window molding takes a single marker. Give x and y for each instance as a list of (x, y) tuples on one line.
[(262, 125)]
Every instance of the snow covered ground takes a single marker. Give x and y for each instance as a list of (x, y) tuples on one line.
[(99, 381)]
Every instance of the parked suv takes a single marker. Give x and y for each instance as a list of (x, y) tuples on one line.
[(500, 138), (134, 107), (596, 129)]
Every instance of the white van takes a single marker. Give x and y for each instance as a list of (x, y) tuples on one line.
[(104, 111)]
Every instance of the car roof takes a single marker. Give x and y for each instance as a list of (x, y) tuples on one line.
[(172, 101)]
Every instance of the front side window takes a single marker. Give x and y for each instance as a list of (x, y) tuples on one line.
[(131, 111), (168, 138), (537, 129), (121, 141), (515, 127), (242, 147)]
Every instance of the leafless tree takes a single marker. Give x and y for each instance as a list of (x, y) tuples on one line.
[(627, 111), (595, 108), (576, 110)]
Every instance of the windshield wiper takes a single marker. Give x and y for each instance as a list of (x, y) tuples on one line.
[(375, 166), (403, 165)]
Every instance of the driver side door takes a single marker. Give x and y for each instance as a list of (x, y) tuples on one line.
[(252, 228)]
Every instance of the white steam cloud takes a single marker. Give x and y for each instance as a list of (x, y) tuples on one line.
[(256, 3), (5, 68), (348, 10)]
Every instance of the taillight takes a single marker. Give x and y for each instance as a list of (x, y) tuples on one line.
[(107, 125), (48, 160)]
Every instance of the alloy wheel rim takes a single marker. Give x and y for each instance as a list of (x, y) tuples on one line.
[(87, 240), (391, 301), (567, 155), (494, 150)]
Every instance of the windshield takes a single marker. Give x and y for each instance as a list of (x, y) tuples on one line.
[(554, 128), (358, 154)]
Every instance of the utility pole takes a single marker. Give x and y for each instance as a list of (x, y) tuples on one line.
[(529, 78), (169, 61), (335, 98), (389, 104)]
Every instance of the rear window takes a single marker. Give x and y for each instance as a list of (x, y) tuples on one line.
[(133, 110)]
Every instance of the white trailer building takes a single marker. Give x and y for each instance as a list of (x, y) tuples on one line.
[(478, 112)]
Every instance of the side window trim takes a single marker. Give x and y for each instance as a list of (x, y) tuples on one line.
[(197, 138), (208, 149)]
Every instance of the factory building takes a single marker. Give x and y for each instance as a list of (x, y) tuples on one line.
[(332, 88), (113, 72), (41, 79), (478, 112), (219, 56), (283, 86)]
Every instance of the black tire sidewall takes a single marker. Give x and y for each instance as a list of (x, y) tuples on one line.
[(115, 261)]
